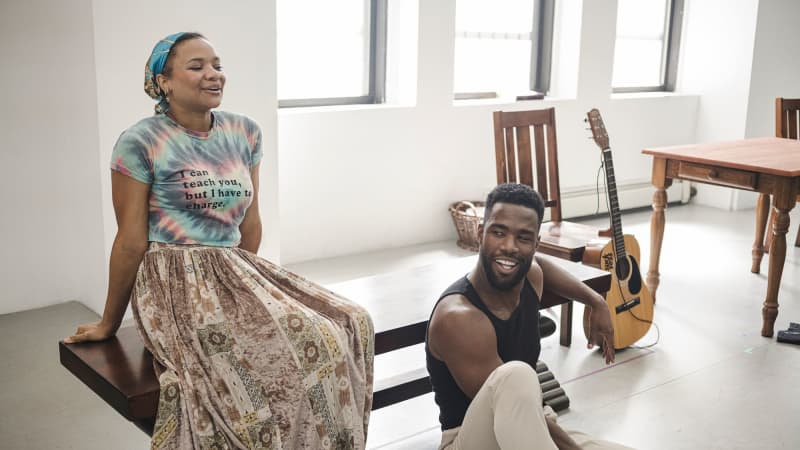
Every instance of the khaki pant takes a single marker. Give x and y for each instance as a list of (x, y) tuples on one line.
[(506, 413)]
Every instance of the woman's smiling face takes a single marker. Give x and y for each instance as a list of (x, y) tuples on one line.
[(193, 77)]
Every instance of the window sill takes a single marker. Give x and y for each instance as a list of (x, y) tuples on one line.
[(300, 110), (646, 94), (526, 96)]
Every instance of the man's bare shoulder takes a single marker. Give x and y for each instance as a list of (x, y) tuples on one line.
[(536, 277), (453, 315), (455, 308)]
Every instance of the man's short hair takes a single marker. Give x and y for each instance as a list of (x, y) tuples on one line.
[(515, 194)]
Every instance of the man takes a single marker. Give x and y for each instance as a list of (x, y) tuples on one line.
[(483, 336)]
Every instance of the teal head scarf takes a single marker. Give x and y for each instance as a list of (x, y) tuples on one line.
[(154, 66)]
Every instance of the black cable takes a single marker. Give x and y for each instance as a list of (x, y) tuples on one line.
[(658, 330), (597, 186)]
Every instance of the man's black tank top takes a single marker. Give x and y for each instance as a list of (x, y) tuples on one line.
[(517, 340)]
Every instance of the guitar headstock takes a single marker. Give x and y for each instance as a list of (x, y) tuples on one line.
[(598, 128)]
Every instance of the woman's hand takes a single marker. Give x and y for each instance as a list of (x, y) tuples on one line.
[(91, 332)]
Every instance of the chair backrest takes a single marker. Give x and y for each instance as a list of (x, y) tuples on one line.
[(514, 153), (786, 114)]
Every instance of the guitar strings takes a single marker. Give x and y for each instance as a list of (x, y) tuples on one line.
[(619, 283)]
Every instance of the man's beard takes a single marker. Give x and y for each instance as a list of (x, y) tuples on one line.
[(523, 265)]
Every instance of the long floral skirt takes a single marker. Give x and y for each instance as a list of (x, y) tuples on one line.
[(249, 355)]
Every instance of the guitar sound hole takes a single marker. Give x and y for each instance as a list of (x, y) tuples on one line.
[(623, 269), (635, 283)]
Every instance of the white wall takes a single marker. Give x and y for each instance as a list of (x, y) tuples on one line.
[(738, 56), (356, 179), (51, 229), (776, 67), (339, 180), (775, 72), (716, 63), (65, 62), (243, 32)]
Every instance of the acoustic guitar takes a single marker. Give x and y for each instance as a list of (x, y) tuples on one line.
[(629, 300)]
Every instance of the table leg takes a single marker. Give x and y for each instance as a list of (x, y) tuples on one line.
[(656, 237), (777, 255), (762, 211)]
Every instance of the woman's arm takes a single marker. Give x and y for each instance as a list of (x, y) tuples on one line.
[(130, 199), (250, 228)]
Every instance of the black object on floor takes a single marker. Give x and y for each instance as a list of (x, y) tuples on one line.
[(790, 336), (553, 394), (546, 326)]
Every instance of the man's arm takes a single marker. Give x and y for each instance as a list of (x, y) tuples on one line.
[(560, 437), (470, 355), (562, 283)]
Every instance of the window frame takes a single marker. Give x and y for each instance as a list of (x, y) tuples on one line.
[(541, 56), (669, 54), (377, 67)]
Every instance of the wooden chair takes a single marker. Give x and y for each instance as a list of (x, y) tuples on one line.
[(535, 163), (787, 111)]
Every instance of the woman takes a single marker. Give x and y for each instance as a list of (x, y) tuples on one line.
[(248, 355)]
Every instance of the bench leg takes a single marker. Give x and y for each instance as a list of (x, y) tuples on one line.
[(566, 324)]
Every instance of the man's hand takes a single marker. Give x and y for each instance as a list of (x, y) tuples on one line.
[(560, 437), (91, 332), (562, 283), (601, 332)]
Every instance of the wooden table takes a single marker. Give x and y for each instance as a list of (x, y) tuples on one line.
[(120, 369), (766, 165)]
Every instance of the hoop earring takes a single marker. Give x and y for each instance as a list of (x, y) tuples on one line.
[(163, 93)]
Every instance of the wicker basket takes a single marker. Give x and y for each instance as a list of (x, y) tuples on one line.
[(467, 216)]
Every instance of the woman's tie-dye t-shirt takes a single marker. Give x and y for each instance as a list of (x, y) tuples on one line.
[(200, 184)]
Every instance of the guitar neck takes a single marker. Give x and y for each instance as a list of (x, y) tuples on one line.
[(616, 221)]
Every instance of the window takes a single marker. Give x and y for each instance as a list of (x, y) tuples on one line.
[(331, 52), (502, 46), (646, 48)]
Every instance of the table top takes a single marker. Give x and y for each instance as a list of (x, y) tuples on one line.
[(771, 155), (397, 299)]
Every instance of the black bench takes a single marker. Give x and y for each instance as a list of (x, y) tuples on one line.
[(120, 370)]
